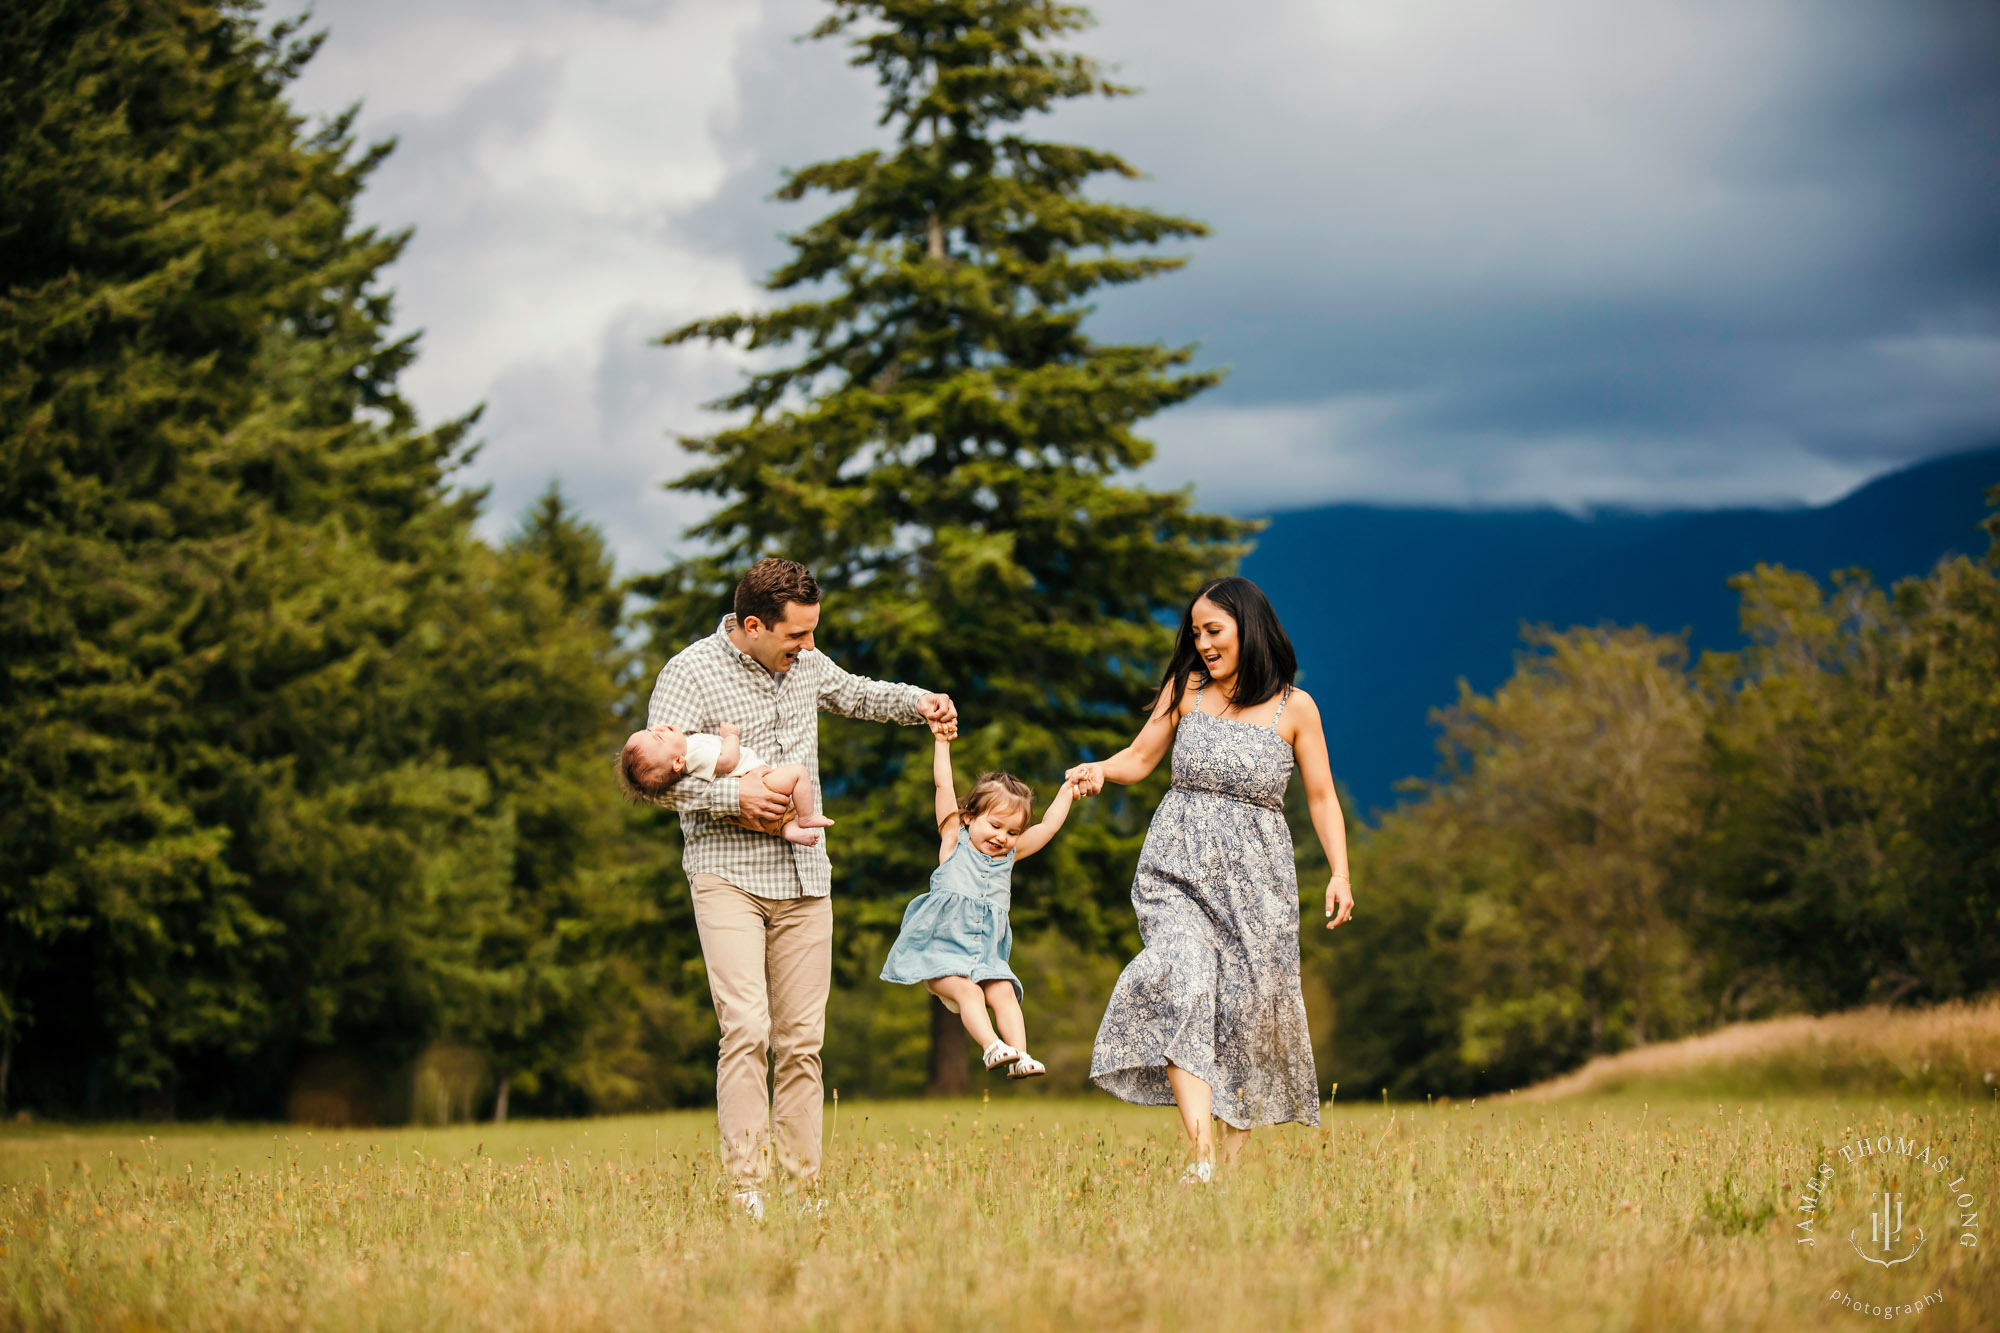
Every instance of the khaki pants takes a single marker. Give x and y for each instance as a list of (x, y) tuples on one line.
[(770, 966)]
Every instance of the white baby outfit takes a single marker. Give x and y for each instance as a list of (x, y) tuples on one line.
[(704, 748)]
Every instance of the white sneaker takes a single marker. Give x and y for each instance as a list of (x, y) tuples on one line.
[(812, 1208), (750, 1203)]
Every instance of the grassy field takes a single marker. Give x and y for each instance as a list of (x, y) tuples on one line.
[(1612, 1213)]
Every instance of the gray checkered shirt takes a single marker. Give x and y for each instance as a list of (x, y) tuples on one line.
[(710, 682)]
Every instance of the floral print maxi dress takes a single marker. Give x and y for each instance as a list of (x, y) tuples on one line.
[(1216, 988)]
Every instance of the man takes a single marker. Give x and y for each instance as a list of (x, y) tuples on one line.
[(760, 903)]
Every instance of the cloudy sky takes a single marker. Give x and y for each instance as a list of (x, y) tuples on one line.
[(1652, 252)]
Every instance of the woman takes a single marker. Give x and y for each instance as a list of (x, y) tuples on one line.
[(1209, 1015)]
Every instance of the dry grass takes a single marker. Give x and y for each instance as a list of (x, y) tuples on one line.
[(1952, 1050), (1018, 1215)]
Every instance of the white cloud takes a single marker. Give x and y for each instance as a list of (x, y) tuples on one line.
[(546, 152)]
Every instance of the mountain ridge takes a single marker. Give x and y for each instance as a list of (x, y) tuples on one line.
[(1389, 606)]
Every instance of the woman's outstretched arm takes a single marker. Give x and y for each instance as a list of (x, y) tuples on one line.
[(1309, 749), (1138, 759)]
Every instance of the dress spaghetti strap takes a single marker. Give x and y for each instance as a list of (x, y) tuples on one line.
[(1281, 707)]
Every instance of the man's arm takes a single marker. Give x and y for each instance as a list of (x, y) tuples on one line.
[(869, 700), (677, 699)]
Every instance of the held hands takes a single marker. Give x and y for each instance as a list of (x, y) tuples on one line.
[(940, 714), (1086, 779), (1339, 902)]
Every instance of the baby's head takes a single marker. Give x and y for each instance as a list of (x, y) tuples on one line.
[(652, 761), (996, 812)]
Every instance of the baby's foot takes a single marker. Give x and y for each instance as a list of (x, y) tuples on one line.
[(800, 837), (815, 821)]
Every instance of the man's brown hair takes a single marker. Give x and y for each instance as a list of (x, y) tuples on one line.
[(770, 584)]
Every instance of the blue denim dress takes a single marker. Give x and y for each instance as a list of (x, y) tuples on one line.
[(959, 928)]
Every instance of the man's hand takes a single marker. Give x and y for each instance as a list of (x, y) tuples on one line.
[(758, 803), (776, 828), (941, 713)]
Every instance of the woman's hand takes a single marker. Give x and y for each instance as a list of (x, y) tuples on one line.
[(1339, 902), (1086, 779)]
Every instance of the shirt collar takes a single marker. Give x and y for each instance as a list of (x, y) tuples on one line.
[(722, 630)]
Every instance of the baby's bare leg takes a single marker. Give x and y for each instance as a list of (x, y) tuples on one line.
[(792, 780), (1006, 1013)]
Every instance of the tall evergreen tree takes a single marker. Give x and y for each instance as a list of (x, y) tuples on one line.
[(212, 503), (581, 1013), (294, 770), (283, 747), (948, 450)]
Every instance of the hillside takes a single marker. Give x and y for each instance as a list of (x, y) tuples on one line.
[(1952, 1051), (1390, 607)]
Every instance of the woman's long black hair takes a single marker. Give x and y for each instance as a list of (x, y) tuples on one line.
[(1265, 662)]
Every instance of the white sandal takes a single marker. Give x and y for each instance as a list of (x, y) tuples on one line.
[(1027, 1067), (1198, 1173), (999, 1053)]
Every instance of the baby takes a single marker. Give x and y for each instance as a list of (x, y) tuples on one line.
[(656, 759)]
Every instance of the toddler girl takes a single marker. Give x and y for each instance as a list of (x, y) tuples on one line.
[(658, 758), (955, 938)]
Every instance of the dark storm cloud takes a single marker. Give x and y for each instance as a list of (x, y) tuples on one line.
[(1636, 232)]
